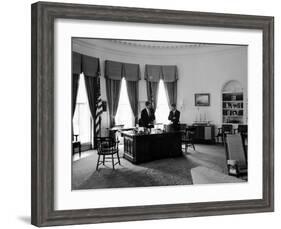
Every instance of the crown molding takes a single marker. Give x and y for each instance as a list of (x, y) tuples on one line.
[(119, 48)]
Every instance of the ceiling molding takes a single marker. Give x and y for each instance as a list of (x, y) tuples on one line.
[(158, 44), (142, 50)]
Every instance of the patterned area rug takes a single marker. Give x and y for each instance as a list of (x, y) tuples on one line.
[(172, 171)]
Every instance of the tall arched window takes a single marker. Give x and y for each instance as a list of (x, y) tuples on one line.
[(162, 110), (82, 117), (124, 115)]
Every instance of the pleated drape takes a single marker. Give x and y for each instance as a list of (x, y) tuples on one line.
[(170, 78), (90, 83), (91, 69), (131, 73), (133, 94), (171, 92), (113, 75), (75, 86), (113, 95), (76, 71)]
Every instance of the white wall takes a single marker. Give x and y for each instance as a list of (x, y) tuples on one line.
[(200, 70), (207, 73), (15, 120)]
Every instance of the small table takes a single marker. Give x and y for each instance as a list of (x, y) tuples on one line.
[(76, 144)]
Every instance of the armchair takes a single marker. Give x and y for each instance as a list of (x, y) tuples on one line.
[(107, 147), (223, 130), (235, 155)]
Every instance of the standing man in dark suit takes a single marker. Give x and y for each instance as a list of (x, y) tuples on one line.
[(147, 116), (174, 117)]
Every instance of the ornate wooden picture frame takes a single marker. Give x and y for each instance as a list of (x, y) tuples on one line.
[(44, 15)]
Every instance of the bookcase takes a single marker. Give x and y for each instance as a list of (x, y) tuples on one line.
[(232, 107)]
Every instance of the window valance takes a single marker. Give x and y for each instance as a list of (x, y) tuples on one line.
[(90, 66), (113, 70), (116, 70), (154, 73), (131, 72), (169, 73), (76, 63)]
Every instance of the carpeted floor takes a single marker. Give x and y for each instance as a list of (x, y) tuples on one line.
[(172, 171)]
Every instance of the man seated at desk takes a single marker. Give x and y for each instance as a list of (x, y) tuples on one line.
[(147, 116), (174, 117)]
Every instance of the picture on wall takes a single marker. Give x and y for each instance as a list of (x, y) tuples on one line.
[(146, 135), (202, 99)]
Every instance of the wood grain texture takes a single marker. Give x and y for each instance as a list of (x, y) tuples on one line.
[(42, 128)]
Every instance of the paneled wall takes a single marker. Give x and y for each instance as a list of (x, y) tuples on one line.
[(200, 70)]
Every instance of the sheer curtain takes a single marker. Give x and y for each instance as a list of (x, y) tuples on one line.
[(162, 111), (82, 114), (124, 115)]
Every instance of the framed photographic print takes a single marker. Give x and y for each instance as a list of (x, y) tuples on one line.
[(141, 154), (202, 99)]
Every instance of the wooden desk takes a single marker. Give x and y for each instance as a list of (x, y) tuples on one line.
[(148, 147)]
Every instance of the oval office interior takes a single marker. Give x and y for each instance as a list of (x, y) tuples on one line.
[(154, 113)]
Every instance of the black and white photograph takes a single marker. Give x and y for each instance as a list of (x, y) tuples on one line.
[(158, 113), (145, 114)]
